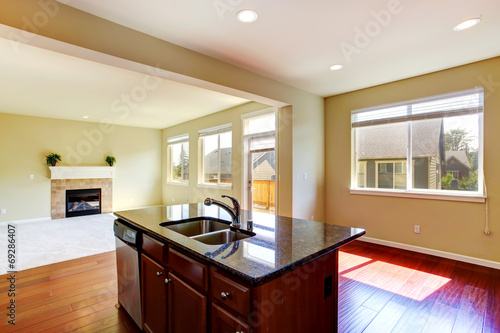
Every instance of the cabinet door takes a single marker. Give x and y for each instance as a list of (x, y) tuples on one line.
[(154, 296), (187, 308), (225, 322)]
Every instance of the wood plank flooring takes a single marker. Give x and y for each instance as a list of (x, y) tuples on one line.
[(381, 289), (72, 296)]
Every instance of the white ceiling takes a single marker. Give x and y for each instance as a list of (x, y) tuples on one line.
[(296, 41), (39, 82)]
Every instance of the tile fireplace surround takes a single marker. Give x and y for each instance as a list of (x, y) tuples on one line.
[(74, 178)]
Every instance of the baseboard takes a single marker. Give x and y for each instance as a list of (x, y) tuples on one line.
[(40, 219), (443, 254)]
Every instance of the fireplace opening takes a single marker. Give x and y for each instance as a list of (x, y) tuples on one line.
[(83, 202)]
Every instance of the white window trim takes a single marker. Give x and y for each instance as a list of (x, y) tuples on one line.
[(429, 194), (466, 196)]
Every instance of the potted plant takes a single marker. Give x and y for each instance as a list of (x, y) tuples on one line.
[(110, 160), (52, 159)]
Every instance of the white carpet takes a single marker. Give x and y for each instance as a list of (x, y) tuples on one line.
[(42, 243)]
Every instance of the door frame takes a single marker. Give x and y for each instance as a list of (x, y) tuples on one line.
[(246, 162)]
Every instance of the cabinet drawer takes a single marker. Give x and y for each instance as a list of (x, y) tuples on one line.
[(230, 293), (190, 269), (225, 322), (154, 249)]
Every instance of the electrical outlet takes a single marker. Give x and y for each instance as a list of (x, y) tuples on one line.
[(305, 175), (32, 177), (131, 199), (4, 211), (312, 217), (416, 229), (173, 199)]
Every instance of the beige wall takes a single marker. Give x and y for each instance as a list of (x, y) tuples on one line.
[(449, 226), (173, 193), (78, 28), (24, 142)]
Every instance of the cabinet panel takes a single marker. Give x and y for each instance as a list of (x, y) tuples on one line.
[(190, 269), (225, 322), (155, 249), (187, 308), (231, 294), (154, 296)]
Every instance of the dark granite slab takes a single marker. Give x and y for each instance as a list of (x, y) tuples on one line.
[(281, 243)]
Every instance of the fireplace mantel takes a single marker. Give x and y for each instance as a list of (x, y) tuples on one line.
[(81, 172)]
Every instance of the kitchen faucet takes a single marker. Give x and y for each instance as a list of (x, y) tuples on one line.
[(233, 211)]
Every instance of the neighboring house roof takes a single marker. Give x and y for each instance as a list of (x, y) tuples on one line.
[(264, 171), (211, 161), (459, 155), (389, 141)]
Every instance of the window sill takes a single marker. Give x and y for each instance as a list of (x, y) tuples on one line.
[(418, 195), (222, 187), (178, 183)]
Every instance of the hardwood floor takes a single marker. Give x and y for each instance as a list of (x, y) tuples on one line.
[(77, 295), (387, 290), (381, 290)]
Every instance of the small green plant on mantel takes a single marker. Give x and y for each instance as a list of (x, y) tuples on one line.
[(52, 159), (110, 160)]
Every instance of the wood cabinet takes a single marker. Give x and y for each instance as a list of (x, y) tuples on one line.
[(225, 322), (154, 296), (188, 295), (187, 307)]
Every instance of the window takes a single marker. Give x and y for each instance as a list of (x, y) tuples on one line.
[(178, 158), (216, 150), (260, 124), (391, 174), (440, 135), (361, 174)]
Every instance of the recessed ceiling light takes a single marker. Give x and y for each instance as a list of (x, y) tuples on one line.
[(467, 24), (85, 117), (336, 67), (246, 16)]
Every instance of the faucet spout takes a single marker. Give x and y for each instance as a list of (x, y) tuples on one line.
[(233, 211)]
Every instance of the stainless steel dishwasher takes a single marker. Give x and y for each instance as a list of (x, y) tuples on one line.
[(128, 247)]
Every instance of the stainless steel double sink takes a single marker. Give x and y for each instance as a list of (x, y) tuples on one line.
[(208, 231)]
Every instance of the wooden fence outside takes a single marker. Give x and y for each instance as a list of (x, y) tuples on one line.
[(264, 193)]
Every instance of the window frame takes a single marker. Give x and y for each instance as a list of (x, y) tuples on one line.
[(202, 134), (410, 192), (171, 141)]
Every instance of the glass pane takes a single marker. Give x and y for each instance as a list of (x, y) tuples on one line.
[(385, 175), (210, 159), (361, 174), (261, 124), (374, 144), (185, 161), (266, 142), (180, 161), (225, 157), (176, 161), (445, 153), (263, 182)]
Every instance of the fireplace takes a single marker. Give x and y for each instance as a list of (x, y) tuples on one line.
[(83, 202)]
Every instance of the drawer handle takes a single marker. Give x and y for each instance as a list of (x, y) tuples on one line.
[(159, 273), (167, 281), (224, 295)]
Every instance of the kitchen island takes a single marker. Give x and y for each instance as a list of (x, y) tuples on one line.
[(283, 279)]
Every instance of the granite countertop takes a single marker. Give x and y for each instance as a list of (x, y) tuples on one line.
[(280, 244)]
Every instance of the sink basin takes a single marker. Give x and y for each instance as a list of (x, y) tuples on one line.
[(222, 237), (197, 227)]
